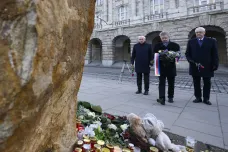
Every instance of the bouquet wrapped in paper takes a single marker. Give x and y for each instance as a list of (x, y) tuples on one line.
[(168, 57)]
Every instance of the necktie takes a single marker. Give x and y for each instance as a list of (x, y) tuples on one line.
[(200, 42)]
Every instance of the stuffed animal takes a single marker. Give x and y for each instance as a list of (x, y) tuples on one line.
[(153, 128), (137, 127)]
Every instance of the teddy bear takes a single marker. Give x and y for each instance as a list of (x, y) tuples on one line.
[(137, 127), (153, 128)]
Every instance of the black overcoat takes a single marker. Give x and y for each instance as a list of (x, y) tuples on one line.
[(206, 54), (142, 57), (169, 69)]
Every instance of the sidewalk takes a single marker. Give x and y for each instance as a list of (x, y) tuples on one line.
[(205, 123)]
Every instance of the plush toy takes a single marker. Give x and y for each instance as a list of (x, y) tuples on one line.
[(153, 128), (137, 127)]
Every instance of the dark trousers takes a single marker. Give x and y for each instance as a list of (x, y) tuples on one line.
[(161, 87), (146, 81), (206, 87)]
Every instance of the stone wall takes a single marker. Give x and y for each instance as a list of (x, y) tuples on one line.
[(179, 30)]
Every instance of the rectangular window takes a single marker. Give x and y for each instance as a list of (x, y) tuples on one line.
[(122, 13), (157, 6), (99, 2)]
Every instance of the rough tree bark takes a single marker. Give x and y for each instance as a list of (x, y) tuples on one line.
[(42, 49)]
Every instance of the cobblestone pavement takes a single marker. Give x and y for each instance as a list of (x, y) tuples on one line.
[(183, 80)]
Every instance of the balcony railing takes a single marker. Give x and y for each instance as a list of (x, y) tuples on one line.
[(97, 26), (205, 8), (154, 17), (121, 23)]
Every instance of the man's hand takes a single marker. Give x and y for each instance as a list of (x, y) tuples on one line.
[(151, 63), (215, 68)]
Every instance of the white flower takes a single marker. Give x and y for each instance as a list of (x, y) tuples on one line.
[(94, 126), (81, 117), (92, 114), (89, 131), (112, 126), (86, 110), (124, 127), (97, 122), (116, 135)]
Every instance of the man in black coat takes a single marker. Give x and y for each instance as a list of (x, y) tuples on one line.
[(202, 55), (142, 57), (167, 67)]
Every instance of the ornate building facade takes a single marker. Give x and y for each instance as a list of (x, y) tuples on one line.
[(118, 23)]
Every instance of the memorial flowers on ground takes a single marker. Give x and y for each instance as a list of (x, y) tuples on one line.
[(102, 131)]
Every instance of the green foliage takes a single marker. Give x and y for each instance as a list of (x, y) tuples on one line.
[(96, 109)]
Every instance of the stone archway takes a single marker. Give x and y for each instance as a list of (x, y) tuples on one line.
[(153, 38), (219, 34), (95, 50), (122, 48)]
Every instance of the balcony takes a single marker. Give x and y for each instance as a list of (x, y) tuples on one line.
[(154, 17), (217, 6), (121, 23)]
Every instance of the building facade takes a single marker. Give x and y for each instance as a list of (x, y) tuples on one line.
[(118, 23)]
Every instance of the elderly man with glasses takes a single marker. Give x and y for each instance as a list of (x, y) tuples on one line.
[(142, 57), (202, 55)]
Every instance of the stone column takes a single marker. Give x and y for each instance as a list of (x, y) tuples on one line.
[(88, 54), (107, 54), (183, 63), (110, 10)]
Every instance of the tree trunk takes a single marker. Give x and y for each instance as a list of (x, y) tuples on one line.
[(42, 49)]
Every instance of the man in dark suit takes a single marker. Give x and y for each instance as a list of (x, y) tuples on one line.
[(167, 68), (202, 55), (142, 57)]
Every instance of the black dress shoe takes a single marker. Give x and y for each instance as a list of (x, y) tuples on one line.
[(146, 93), (197, 100), (170, 100), (138, 92), (207, 102), (161, 101)]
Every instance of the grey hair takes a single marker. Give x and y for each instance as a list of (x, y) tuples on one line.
[(200, 29), (144, 38), (164, 34)]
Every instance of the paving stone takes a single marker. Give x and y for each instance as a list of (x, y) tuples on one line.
[(141, 102), (202, 106), (223, 114), (225, 127), (129, 109), (225, 138), (205, 138), (222, 99), (198, 126), (204, 116)]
